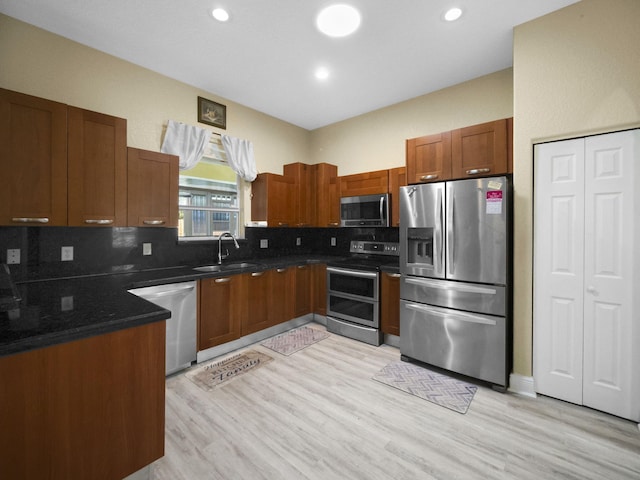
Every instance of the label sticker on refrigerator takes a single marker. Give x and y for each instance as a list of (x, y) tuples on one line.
[(495, 185), (494, 202)]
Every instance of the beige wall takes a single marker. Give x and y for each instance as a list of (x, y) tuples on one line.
[(576, 72), (39, 63), (376, 140)]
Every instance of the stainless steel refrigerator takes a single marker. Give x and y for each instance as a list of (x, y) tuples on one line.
[(455, 261)]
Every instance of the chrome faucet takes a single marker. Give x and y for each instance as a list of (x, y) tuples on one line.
[(235, 243)]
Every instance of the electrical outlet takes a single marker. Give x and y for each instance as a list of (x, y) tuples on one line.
[(66, 303), (264, 243), (13, 256), (66, 254), (298, 241), (146, 249), (333, 241)]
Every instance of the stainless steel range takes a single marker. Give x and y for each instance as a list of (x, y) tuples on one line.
[(353, 290)]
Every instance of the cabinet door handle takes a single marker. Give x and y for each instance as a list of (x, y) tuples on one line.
[(476, 171), (334, 224), (98, 222), (153, 222), (30, 219), (283, 224), (426, 178), (257, 274), (222, 280), (281, 270), (302, 266), (394, 275)]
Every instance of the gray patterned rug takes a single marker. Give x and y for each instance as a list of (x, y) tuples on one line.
[(432, 386), (212, 374), (294, 340)]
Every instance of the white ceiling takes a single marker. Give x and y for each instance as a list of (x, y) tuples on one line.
[(265, 55)]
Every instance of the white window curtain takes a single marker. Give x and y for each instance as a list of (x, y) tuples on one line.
[(240, 156), (186, 141)]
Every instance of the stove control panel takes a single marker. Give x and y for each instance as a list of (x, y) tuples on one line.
[(377, 248)]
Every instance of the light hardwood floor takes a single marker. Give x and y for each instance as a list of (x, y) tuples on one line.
[(317, 414)]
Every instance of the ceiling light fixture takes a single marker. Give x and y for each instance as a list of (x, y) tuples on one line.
[(220, 14), (453, 14), (338, 20), (322, 73)]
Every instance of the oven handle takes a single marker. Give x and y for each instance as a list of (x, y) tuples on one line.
[(353, 273)]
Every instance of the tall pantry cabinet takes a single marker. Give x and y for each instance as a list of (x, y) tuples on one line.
[(587, 271)]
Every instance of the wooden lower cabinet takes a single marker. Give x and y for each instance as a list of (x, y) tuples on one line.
[(319, 288), (390, 303), (256, 299), (222, 306), (303, 299), (281, 282), (91, 408)]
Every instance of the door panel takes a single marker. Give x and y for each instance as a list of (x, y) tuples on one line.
[(610, 227), (422, 232), (476, 230), (558, 269)]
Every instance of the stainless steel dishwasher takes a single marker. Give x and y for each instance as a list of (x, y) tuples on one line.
[(181, 300)]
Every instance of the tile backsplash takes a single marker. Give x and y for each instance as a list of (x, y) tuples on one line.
[(120, 249)]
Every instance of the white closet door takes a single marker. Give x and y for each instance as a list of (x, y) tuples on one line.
[(558, 269), (611, 220)]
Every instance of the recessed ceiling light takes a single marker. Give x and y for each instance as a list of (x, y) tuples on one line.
[(338, 20), (220, 14), (322, 73), (452, 14)]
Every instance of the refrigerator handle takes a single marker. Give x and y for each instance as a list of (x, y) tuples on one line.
[(440, 233), (450, 240)]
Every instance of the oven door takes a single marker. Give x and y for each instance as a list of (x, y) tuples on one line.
[(353, 283), (354, 309)]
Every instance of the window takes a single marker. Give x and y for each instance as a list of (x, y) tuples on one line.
[(209, 197)]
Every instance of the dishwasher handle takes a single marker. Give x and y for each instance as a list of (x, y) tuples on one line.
[(168, 293)]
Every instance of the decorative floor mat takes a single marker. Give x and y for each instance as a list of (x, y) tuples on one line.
[(435, 387), (213, 374), (294, 340)]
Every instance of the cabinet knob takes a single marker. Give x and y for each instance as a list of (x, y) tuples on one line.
[(98, 222), (476, 171), (592, 289), (426, 178), (30, 219)]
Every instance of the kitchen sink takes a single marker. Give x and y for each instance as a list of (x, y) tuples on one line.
[(239, 265), (209, 268), (228, 266)]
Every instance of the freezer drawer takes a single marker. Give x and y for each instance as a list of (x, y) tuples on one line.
[(472, 297), (470, 344)]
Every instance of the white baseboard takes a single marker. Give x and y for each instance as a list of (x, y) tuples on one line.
[(521, 385)]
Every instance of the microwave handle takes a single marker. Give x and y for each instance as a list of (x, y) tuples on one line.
[(382, 208)]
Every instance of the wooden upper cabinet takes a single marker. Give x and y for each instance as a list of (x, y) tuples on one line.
[(303, 193), (429, 158), (510, 145), (397, 179), (97, 169), (368, 183), (327, 198), (480, 150), (272, 200), (152, 189), (33, 160)]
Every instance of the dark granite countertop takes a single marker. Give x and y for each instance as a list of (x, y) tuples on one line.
[(53, 311)]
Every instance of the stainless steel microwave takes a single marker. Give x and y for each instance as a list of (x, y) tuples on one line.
[(365, 211)]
